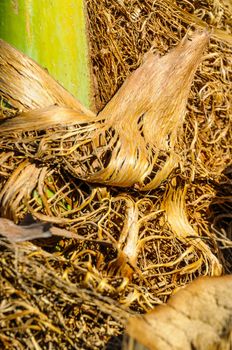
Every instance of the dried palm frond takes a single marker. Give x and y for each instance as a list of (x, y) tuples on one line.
[(102, 149), (143, 238), (118, 47)]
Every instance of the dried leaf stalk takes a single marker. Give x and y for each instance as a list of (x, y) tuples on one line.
[(121, 33), (125, 244), (102, 149)]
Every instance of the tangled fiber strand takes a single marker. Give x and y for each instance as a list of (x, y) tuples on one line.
[(40, 307), (123, 31), (129, 246), (101, 149), (117, 258), (220, 217)]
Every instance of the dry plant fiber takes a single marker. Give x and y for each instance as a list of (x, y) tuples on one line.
[(141, 207), (102, 150)]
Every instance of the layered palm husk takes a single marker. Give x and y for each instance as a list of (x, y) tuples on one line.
[(142, 186)]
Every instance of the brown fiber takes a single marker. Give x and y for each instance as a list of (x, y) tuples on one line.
[(139, 186)]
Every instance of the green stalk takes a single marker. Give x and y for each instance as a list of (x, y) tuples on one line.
[(54, 34)]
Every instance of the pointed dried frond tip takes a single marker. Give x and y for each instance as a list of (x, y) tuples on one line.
[(133, 140)]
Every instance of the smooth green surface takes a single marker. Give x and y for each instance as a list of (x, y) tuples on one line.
[(53, 33)]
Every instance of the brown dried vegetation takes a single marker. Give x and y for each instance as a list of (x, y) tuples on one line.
[(132, 185)]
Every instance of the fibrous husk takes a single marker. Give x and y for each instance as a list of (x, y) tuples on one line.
[(102, 149), (42, 304), (145, 243), (220, 216), (123, 31), (137, 247)]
